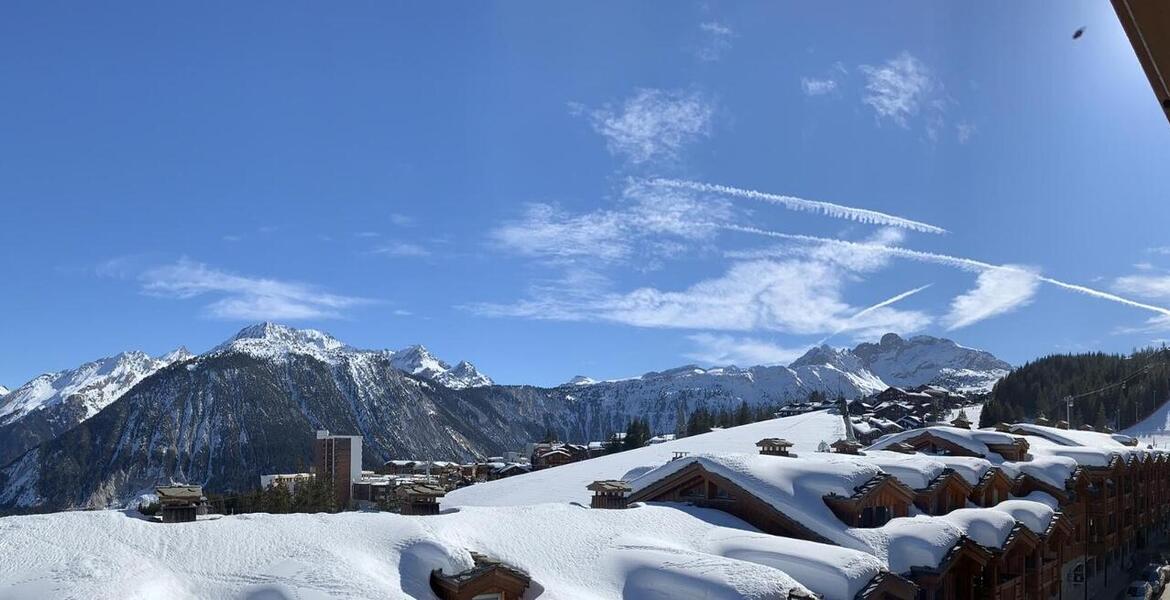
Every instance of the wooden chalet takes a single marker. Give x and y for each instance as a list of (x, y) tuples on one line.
[(609, 493), (958, 577), (419, 498), (874, 503), (992, 488), (846, 446), (181, 503), (945, 493), (881, 498), (774, 447), (488, 580)]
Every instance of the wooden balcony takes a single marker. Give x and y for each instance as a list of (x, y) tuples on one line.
[(1011, 588)]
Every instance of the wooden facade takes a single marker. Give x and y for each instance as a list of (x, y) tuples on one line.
[(419, 499), (487, 579), (609, 493), (1105, 515), (873, 504), (947, 492), (180, 503)]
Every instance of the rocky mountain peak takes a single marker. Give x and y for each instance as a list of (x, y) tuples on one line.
[(275, 340)]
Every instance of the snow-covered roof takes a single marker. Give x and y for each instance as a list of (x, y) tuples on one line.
[(916, 471), (1034, 511), (972, 440), (797, 486), (567, 483)]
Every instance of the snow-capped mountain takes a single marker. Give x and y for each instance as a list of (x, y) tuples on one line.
[(54, 402), (278, 342), (417, 360), (250, 406), (4, 391), (923, 359)]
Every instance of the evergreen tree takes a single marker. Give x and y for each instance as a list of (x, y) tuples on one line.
[(743, 415), (277, 499)]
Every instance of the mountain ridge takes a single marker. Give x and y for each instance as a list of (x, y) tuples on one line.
[(250, 405)]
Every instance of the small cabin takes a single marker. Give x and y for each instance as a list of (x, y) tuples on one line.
[(1062, 424), (1086, 427), (961, 422), (1043, 421), (609, 493), (181, 503), (846, 447), (419, 498), (774, 447), (488, 580)]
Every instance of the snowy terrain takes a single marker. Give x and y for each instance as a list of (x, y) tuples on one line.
[(567, 483), (651, 552), (538, 523), (1154, 429), (973, 412)]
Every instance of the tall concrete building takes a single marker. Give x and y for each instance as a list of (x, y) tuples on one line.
[(338, 459)]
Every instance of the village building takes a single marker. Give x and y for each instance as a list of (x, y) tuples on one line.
[(338, 460), (419, 498), (288, 480), (609, 493), (181, 503)]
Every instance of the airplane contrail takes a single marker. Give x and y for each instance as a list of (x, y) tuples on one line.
[(967, 264), (869, 309), (861, 215)]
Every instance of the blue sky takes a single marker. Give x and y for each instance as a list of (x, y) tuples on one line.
[(530, 186)]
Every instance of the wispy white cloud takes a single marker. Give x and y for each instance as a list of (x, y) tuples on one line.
[(837, 211), (790, 296), (996, 292), (1154, 286), (402, 220), (817, 87), (653, 124), (964, 131), (651, 222), (722, 349), (402, 249), (547, 231), (865, 312), (801, 294), (958, 262), (896, 90), (716, 41), (244, 298), (1164, 250)]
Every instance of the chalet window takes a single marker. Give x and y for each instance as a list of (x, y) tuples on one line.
[(875, 516), (720, 493), (695, 491), (490, 596)]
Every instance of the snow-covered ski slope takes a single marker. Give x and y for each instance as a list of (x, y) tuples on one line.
[(567, 483), (1154, 429)]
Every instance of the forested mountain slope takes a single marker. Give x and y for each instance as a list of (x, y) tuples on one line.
[(1130, 388)]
